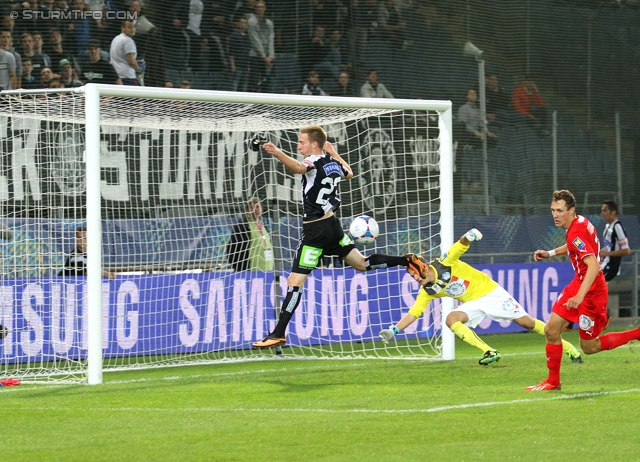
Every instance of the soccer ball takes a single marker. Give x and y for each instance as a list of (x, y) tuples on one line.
[(364, 229)]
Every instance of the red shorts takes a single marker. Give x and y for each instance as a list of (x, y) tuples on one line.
[(591, 314)]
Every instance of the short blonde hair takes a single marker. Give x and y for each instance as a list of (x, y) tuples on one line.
[(315, 133)]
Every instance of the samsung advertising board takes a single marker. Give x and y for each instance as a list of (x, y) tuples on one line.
[(183, 313)]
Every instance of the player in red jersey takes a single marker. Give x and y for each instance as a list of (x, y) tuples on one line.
[(585, 298)]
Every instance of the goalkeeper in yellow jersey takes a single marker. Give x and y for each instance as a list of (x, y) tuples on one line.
[(479, 296)]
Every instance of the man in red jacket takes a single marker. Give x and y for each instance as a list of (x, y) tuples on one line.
[(528, 101)]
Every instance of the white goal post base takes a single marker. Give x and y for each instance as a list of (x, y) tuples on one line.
[(158, 178)]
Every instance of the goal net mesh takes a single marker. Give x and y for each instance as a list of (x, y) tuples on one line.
[(177, 178)]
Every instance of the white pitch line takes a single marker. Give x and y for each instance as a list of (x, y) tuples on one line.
[(334, 411), (34, 385)]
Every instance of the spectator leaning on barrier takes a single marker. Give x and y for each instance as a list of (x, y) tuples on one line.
[(615, 244), (29, 82), (98, 70), (8, 79), (374, 89), (76, 262), (250, 244), (262, 35), (67, 78), (123, 54)]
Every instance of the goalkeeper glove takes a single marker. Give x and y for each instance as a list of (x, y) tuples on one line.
[(473, 235), (388, 334)]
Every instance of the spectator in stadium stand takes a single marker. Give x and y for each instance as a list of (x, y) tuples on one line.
[(322, 169), (390, 25), (215, 46), (97, 70), (29, 82), (528, 101), (82, 28), (615, 243), (497, 100), (344, 48), (365, 17), (172, 17), (6, 43), (55, 83), (261, 33), (323, 13), (143, 25), (479, 296), (469, 115), (37, 47), (314, 50), (8, 78), (57, 52), (154, 59), (329, 67), (243, 8), (123, 54), (194, 29), (38, 61), (239, 49), (46, 76), (184, 84), (312, 87), (584, 299), (76, 263), (67, 75), (374, 89), (344, 87), (250, 247)]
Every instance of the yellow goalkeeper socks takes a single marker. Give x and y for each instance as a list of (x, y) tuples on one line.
[(467, 335), (539, 329)]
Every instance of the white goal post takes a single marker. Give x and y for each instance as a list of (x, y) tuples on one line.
[(167, 244)]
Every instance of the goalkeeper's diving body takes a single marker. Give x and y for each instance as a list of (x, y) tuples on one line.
[(322, 168), (480, 297)]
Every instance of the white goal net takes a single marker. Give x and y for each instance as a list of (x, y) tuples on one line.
[(185, 274)]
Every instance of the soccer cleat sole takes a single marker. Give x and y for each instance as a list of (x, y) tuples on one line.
[(576, 359), (544, 386), (269, 342)]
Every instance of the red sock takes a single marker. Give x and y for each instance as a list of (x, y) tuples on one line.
[(615, 339), (554, 359)]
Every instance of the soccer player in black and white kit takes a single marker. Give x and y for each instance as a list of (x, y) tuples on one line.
[(322, 169), (615, 244)]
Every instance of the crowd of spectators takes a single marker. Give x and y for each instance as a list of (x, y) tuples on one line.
[(226, 45)]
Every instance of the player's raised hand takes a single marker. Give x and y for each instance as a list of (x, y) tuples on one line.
[(329, 149), (540, 255), (270, 148), (473, 235)]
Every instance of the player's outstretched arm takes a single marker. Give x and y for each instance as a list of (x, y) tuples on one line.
[(329, 149), (470, 236), (540, 255), (388, 334), (293, 165)]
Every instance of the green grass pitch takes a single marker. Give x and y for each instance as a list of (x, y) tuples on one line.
[(339, 410)]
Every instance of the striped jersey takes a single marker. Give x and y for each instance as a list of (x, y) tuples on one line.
[(320, 185)]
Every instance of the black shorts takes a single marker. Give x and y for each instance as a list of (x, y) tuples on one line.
[(324, 237)]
